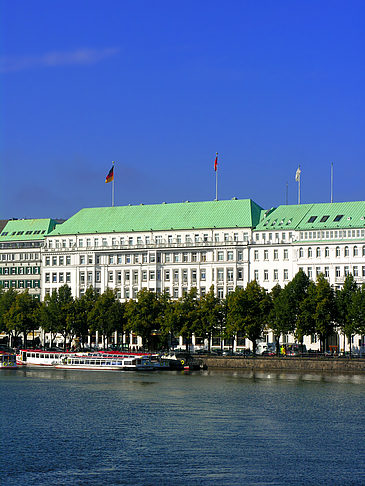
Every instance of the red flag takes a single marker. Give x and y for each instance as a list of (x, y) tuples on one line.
[(216, 163), (110, 175)]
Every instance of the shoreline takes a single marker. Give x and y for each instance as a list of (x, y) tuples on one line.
[(285, 364)]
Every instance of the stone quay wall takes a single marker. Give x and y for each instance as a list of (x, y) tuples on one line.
[(285, 364)]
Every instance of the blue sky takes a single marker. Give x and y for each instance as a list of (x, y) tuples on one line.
[(160, 86)]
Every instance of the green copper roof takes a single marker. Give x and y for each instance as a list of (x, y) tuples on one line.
[(315, 217), (27, 229), (243, 213)]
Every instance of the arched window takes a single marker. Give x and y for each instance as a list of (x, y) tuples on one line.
[(338, 252), (346, 251), (363, 250), (355, 251), (318, 252), (326, 252), (309, 252), (300, 252)]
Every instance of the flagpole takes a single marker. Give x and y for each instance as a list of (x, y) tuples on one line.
[(331, 182), (113, 186), (216, 176)]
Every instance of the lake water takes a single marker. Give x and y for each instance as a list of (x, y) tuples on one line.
[(170, 428)]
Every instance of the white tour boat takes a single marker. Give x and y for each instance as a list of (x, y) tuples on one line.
[(39, 357), (105, 363), (7, 360)]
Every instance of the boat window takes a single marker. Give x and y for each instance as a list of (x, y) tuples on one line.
[(37, 355)]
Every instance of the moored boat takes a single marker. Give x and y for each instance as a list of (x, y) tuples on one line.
[(105, 363), (40, 357), (7, 360)]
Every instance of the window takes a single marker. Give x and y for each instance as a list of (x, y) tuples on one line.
[(338, 252), (68, 260), (193, 276), (111, 259), (110, 276), (309, 272), (60, 278), (126, 276), (229, 255), (355, 251), (312, 219), (327, 271), (230, 274), (355, 271), (168, 257), (47, 278), (256, 255), (194, 257), (176, 257), (220, 256), (346, 251), (97, 277), (220, 274), (276, 274), (256, 275), (266, 275), (239, 273), (167, 275), (176, 276), (203, 274), (276, 254), (220, 293), (203, 256), (82, 259), (54, 277), (326, 252), (144, 275), (68, 277), (286, 274), (48, 260), (286, 255), (185, 257), (346, 271), (240, 255), (266, 254), (338, 271), (309, 252), (318, 271), (324, 219), (338, 218), (318, 252), (54, 261)]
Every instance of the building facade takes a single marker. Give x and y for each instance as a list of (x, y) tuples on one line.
[(21, 242)]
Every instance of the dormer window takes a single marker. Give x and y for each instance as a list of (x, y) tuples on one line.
[(324, 219), (312, 219), (338, 218)]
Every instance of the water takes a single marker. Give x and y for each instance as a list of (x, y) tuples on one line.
[(169, 428)]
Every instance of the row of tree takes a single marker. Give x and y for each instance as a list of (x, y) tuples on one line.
[(302, 308)]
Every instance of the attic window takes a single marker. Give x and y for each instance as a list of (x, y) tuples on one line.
[(338, 217), (28, 233), (289, 221), (273, 223), (20, 232), (266, 223), (324, 219), (312, 219), (43, 231), (13, 233)]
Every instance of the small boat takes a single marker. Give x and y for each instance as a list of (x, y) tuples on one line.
[(7, 361), (105, 363)]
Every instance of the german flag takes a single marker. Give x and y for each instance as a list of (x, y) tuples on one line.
[(110, 175)]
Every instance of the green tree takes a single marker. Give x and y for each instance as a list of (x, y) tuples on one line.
[(106, 315), (248, 312), (189, 315), (306, 324), (325, 310), (345, 317), (210, 314), (83, 306), (358, 309), (7, 298), (21, 317)]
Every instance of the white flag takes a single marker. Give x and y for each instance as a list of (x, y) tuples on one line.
[(297, 174)]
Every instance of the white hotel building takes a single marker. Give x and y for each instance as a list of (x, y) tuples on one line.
[(174, 247)]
